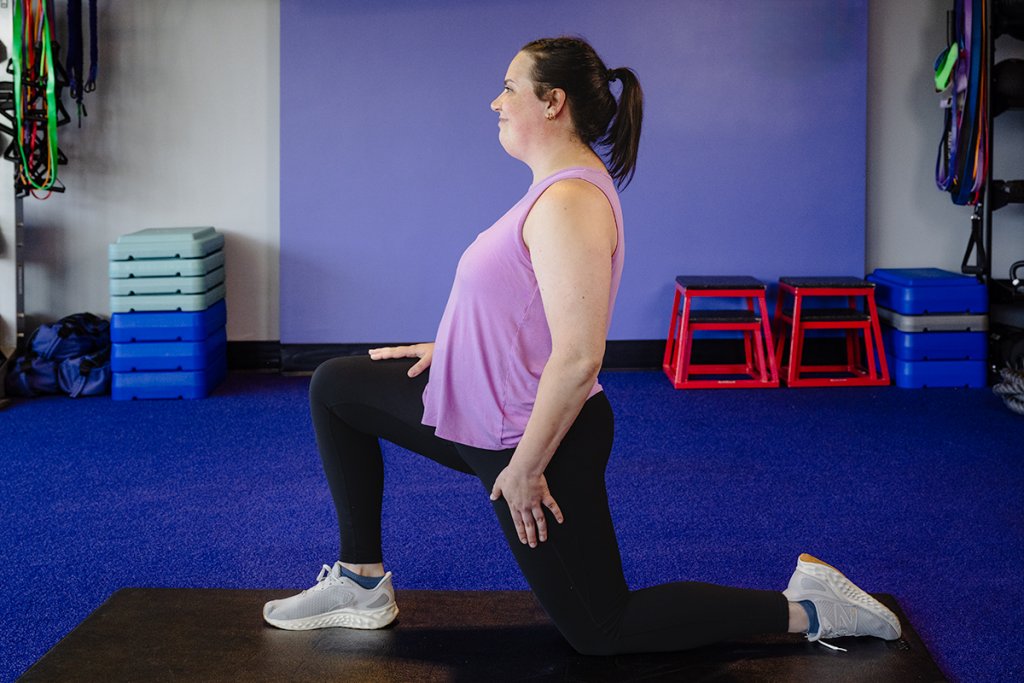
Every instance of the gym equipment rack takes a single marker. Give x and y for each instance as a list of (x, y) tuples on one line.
[(1000, 17)]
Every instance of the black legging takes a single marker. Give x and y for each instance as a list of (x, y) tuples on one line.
[(577, 573)]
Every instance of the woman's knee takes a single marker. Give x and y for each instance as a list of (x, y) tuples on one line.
[(334, 377), (587, 631)]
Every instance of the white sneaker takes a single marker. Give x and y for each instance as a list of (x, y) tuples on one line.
[(843, 608), (335, 600)]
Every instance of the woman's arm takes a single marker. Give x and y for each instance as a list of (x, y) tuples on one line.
[(571, 235)]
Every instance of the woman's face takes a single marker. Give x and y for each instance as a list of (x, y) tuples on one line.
[(520, 111)]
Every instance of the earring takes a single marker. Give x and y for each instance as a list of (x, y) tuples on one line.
[(550, 116)]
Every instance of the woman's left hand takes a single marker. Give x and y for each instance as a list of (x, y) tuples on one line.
[(425, 353), (527, 496)]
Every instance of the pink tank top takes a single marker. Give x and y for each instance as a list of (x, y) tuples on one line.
[(493, 340)]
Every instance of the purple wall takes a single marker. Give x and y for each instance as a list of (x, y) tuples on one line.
[(752, 159)]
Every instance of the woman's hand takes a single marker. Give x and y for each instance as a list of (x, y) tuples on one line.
[(425, 352), (527, 496)]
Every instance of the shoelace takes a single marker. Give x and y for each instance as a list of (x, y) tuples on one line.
[(847, 590), (832, 647), (822, 642), (323, 579)]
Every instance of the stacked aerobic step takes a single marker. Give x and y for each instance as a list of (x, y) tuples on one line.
[(168, 313), (934, 325)]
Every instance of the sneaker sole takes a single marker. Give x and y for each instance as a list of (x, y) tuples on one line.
[(342, 618), (834, 578)]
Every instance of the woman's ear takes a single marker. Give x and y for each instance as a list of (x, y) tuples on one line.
[(556, 102)]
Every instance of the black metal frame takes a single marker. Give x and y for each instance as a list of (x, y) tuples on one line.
[(996, 193), (980, 242)]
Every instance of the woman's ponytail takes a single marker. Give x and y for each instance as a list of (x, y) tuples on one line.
[(623, 136)]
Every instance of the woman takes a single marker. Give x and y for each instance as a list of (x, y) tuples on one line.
[(509, 392)]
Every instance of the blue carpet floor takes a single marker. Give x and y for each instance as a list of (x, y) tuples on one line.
[(915, 493)]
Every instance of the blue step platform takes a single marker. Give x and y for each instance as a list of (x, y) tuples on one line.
[(127, 386), (168, 326), (919, 346), (928, 291), (935, 326), (939, 373), (174, 355)]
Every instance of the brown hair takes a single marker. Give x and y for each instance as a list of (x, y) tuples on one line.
[(572, 65)]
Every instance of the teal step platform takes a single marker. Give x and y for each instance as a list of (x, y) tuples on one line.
[(176, 355), (167, 285), (166, 302), (935, 345), (168, 327), (928, 291), (939, 373), (166, 243), (166, 267), (127, 386)]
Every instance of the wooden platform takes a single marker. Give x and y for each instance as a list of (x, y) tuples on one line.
[(218, 635)]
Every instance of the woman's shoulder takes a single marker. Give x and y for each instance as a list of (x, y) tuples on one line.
[(578, 185), (572, 191), (573, 205), (576, 179)]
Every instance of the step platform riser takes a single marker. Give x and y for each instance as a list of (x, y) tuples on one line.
[(126, 386), (139, 286), (928, 291), (141, 303), (166, 243), (177, 355), (160, 267), (928, 346), (940, 373)]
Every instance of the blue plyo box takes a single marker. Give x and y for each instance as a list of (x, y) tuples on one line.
[(918, 346), (168, 327), (927, 291), (126, 386), (174, 355), (939, 373)]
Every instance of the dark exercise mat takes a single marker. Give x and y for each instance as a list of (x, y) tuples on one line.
[(163, 634)]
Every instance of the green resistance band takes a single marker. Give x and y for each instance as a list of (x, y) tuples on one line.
[(51, 97), (944, 67)]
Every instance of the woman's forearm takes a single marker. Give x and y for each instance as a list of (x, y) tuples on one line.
[(564, 387)]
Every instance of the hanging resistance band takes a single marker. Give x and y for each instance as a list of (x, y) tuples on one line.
[(37, 109), (963, 67), (78, 85)]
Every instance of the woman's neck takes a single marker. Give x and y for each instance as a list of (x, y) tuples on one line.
[(562, 157)]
